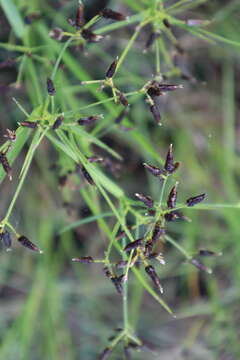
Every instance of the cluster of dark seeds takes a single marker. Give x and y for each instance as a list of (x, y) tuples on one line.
[(6, 240)]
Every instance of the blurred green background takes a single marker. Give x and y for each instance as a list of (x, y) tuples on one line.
[(52, 308)]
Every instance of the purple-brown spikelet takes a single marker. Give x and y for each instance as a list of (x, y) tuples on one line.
[(112, 68), (154, 277), (105, 353), (158, 231), (90, 36), (79, 21), (204, 252), (122, 99), (29, 124), (6, 239), (172, 197), (192, 201), (151, 39), (147, 200), (89, 120), (5, 164), (121, 116), (50, 87), (84, 260), (153, 169), (58, 122), (11, 135), (113, 15), (200, 266), (169, 87), (87, 176), (169, 164), (56, 33), (24, 241), (166, 23), (133, 245), (156, 113), (117, 282)]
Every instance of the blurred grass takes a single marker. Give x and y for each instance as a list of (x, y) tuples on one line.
[(57, 310)]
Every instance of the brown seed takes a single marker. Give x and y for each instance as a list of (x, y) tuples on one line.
[(58, 122), (111, 14), (153, 169), (192, 201), (133, 245), (79, 22), (169, 164), (156, 113), (112, 68), (84, 260), (50, 87), (29, 124), (200, 266), (147, 200), (172, 197), (154, 277), (5, 164), (28, 244)]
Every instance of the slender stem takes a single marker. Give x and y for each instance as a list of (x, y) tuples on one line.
[(65, 46), (162, 191)]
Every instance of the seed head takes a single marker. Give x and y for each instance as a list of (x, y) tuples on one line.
[(112, 68), (6, 239), (58, 122), (147, 200), (50, 87), (84, 260), (153, 169), (29, 124), (172, 197), (133, 245), (200, 266), (154, 277), (79, 22), (90, 36)]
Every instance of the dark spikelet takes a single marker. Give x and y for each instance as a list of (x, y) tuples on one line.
[(90, 36), (200, 266), (166, 23), (112, 68), (58, 122), (105, 354), (172, 197), (10, 135), (133, 245), (117, 282), (127, 353), (24, 241), (154, 277), (50, 87), (157, 232), (121, 116), (204, 252), (95, 159), (174, 215), (147, 200), (79, 22), (169, 87), (84, 260), (56, 33), (6, 239), (6, 166), (156, 113), (123, 100), (148, 248), (151, 39), (121, 264), (107, 272), (62, 180), (153, 169), (29, 124), (195, 200), (87, 176), (113, 15), (88, 120), (154, 90), (169, 164)]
